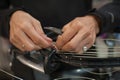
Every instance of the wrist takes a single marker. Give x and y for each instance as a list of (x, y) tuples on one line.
[(96, 21)]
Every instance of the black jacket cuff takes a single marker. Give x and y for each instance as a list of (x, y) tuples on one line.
[(105, 20), (5, 21)]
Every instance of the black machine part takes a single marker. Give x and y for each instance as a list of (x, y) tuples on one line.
[(48, 61)]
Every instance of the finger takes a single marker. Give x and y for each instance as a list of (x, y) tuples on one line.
[(13, 38), (73, 44), (16, 44), (23, 39), (35, 37), (88, 42), (74, 24), (66, 36), (93, 35), (38, 28), (65, 27)]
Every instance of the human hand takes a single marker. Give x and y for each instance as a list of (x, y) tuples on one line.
[(78, 33), (26, 32)]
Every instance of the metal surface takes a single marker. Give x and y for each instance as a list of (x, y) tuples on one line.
[(29, 63)]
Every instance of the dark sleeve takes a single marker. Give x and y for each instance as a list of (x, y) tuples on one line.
[(109, 16), (5, 13)]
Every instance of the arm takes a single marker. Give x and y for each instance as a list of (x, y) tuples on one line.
[(82, 31), (24, 31), (109, 16), (5, 13)]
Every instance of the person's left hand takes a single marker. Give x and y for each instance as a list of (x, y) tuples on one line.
[(78, 33)]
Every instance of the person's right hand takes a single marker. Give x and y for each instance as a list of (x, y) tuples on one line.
[(26, 32)]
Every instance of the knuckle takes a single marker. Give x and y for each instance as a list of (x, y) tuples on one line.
[(15, 35), (25, 26), (37, 41), (22, 26), (64, 40), (91, 39), (38, 22), (92, 42), (77, 50), (64, 28), (28, 27), (12, 38), (30, 48), (71, 46), (24, 23), (38, 47), (87, 33), (46, 46), (76, 23), (77, 18)]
